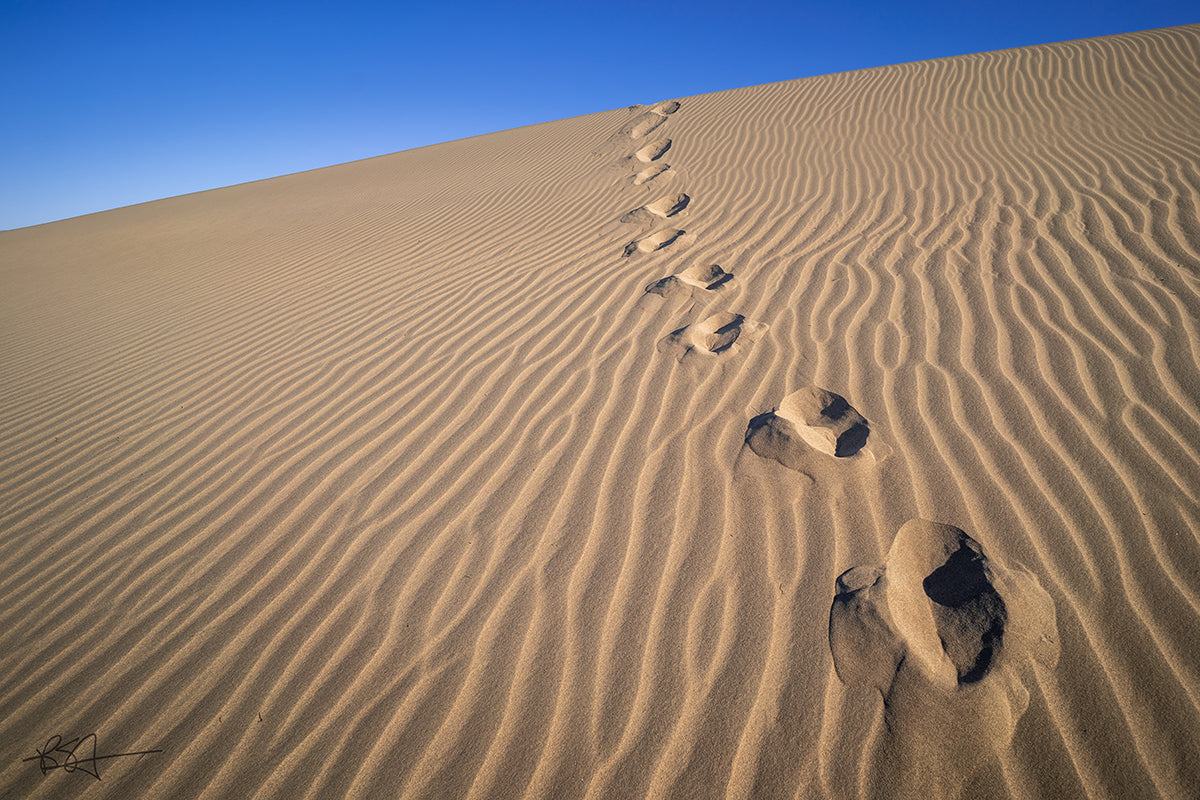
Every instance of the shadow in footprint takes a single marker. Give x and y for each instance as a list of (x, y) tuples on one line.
[(968, 613)]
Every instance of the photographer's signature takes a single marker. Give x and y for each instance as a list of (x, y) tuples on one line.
[(78, 754)]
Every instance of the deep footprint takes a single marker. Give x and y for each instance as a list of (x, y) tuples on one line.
[(707, 277), (948, 637), (811, 417), (939, 600), (713, 336)]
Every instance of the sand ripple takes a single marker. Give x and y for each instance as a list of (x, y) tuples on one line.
[(373, 482)]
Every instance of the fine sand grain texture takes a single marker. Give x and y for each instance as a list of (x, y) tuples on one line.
[(385, 480)]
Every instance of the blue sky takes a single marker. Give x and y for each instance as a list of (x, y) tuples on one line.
[(105, 104)]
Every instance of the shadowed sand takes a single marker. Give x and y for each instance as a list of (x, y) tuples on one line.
[(371, 481)]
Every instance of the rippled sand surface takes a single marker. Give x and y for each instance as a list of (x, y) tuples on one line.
[(392, 479)]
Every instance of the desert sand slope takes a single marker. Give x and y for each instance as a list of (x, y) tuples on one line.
[(392, 480)]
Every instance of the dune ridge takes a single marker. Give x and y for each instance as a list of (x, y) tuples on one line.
[(391, 478)]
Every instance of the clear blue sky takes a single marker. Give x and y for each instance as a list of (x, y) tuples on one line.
[(108, 103)]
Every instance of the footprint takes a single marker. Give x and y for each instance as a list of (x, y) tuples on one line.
[(709, 277), (663, 207), (939, 605), (638, 127), (655, 241), (653, 151), (650, 173), (809, 418), (825, 421), (646, 124), (669, 205), (946, 635), (649, 120), (713, 336)]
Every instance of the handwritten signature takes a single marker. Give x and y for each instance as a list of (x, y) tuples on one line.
[(77, 754)]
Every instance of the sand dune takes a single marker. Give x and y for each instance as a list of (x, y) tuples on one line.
[(385, 480)]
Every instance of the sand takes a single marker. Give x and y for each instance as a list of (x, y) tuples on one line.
[(428, 476)]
